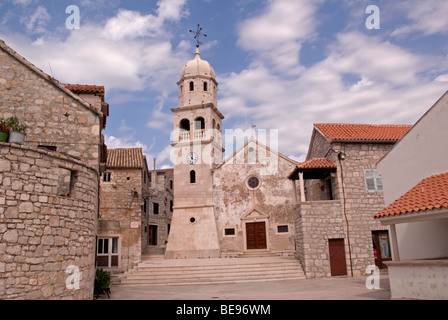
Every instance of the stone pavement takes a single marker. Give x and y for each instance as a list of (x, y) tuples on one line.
[(338, 288)]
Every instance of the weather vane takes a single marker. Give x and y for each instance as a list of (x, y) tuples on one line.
[(197, 35)]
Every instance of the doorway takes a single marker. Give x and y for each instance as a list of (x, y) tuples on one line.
[(256, 236), (152, 236), (381, 248), (338, 264)]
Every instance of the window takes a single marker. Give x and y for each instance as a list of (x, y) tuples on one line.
[(283, 229), (229, 232), (106, 176), (205, 86), (145, 205), (171, 205), (107, 252), (253, 183), (155, 208), (51, 148), (191, 86), (192, 176), (373, 181), (171, 184)]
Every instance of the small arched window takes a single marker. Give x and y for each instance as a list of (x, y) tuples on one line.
[(191, 86), (192, 176), (205, 86)]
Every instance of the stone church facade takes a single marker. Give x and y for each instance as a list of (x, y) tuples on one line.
[(259, 202)]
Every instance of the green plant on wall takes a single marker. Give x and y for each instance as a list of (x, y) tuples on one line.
[(14, 124)]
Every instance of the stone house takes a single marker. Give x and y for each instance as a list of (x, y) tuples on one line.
[(48, 186), (159, 210), (415, 177), (123, 220), (338, 189)]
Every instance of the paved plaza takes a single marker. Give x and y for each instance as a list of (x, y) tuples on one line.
[(339, 288)]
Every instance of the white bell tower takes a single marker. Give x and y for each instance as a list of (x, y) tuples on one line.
[(197, 150)]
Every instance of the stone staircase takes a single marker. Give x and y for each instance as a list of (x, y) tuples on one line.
[(156, 271)]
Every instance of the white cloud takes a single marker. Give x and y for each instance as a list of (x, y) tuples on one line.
[(125, 53), (387, 87), (277, 34), (37, 22), (22, 2), (442, 78), (425, 17), (124, 142)]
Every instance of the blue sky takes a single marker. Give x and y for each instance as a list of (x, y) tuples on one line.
[(281, 64)]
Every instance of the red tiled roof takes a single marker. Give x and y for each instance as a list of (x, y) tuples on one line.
[(362, 132), (429, 194), (317, 163), (125, 158), (84, 88)]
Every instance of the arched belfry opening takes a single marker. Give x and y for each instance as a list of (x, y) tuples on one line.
[(199, 128), (199, 123), (184, 126)]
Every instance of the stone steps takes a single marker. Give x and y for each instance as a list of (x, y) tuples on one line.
[(212, 271)]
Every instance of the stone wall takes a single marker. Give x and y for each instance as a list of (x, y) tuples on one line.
[(272, 203), (160, 192), (44, 235), (360, 206), (316, 222), (55, 117), (121, 214)]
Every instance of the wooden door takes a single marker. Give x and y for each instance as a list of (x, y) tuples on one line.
[(256, 236), (337, 257), (152, 235)]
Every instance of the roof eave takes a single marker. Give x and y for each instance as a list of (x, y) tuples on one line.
[(433, 214)]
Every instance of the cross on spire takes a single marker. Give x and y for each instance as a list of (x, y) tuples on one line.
[(198, 33)]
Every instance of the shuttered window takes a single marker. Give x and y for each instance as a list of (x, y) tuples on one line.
[(373, 181)]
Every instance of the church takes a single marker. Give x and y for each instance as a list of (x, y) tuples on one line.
[(258, 202), (224, 208)]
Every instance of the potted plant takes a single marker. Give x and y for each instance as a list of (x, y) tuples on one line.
[(17, 134), (4, 130), (102, 283)]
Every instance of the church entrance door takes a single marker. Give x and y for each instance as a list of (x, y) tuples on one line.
[(256, 235)]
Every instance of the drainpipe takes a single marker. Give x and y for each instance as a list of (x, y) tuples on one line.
[(342, 157)]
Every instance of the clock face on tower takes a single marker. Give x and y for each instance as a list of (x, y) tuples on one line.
[(192, 158)]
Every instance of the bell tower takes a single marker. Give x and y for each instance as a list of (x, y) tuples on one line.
[(197, 146)]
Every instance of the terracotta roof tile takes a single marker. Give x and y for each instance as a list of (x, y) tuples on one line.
[(84, 88), (317, 163), (362, 132), (429, 194), (125, 158)]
